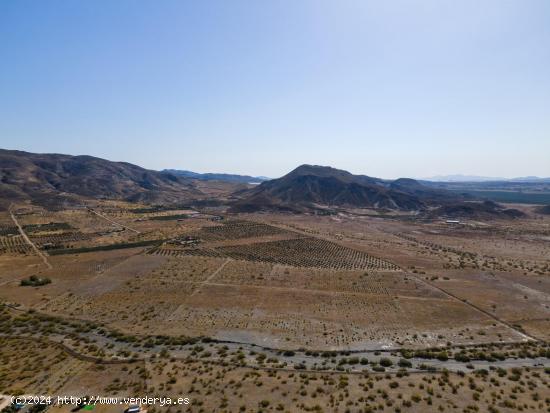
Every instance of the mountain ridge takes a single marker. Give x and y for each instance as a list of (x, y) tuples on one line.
[(54, 179), (51, 178), (314, 187), (476, 178), (309, 185)]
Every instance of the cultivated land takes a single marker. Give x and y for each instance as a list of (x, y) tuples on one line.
[(355, 311)]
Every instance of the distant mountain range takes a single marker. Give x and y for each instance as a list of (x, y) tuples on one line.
[(318, 188), (243, 179), (52, 180), (475, 178)]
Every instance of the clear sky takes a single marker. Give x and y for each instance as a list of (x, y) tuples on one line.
[(383, 88)]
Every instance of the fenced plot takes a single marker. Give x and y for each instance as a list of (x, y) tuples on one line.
[(307, 252), (61, 239), (14, 245)]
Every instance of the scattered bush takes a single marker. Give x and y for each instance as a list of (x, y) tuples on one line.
[(34, 281), (386, 362)]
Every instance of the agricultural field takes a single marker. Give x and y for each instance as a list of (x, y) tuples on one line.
[(237, 230), (308, 252), (6, 230), (14, 244), (183, 301)]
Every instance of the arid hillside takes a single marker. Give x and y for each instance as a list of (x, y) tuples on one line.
[(310, 185), (49, 178)]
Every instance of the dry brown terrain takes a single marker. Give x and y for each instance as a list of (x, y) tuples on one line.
[(352, 282)]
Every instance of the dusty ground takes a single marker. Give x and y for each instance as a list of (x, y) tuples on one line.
[(218, 388), (348, 282), (338, 282)]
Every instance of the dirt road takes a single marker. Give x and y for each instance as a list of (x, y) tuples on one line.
[(28, 240), (113, 222)]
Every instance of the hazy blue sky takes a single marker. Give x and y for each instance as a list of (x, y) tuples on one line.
[(384, 88)]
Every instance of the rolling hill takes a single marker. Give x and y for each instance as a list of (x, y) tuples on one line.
[(476, 210), (309, 186), (53, 178)]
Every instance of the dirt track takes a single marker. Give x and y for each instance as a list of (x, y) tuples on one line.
[(28, 240)]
